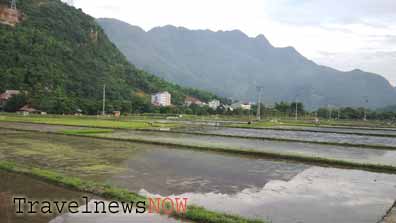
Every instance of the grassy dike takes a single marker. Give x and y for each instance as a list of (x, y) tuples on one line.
[(194, 213), (319, 161)]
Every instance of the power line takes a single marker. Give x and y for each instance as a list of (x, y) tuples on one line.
[(104, 101), (259, 90)]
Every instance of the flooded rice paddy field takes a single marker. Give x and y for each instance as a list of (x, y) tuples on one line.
[(282, 192), (362, 155), (138, 166), (391, 132), (23, 186), (299, 135)]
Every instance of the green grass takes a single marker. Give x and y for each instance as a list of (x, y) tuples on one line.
[(85, 121), (193, 213), (87, 131)]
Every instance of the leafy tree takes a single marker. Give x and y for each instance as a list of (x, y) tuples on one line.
[(15, 103)]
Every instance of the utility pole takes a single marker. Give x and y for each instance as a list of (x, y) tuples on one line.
[(365, 109), (13, 5), (296, 108), (259, 89), (104, 100), (330, 111)]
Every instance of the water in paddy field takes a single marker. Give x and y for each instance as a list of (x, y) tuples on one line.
[(360, 155), (309, 136), (391, 132), (279, 191)]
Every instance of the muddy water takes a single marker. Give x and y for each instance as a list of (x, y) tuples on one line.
[(22, 186), (354, 154)]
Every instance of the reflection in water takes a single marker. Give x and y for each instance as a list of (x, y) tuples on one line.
[(315, 195), (172, 171), (113, 218)]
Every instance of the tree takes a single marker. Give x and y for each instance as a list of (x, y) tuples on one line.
[(15, 103)]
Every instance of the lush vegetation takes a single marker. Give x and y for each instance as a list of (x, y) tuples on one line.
[(84, 121), (356, 113), (62, 59)]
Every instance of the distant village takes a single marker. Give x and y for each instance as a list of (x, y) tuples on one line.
[(163, 99), (160, 99)]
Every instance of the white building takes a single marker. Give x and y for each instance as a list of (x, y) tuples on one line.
[(243, 106), (214, 104), (161, 99)]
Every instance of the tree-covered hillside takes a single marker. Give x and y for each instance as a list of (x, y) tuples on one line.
[(61, 58)]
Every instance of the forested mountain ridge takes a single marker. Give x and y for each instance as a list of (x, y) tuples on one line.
[(62, 58), (232, 64)]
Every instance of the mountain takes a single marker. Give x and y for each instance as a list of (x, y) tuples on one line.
[(232, 64), (62, 58)]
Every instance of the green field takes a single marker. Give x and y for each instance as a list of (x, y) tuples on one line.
[(86, 121)]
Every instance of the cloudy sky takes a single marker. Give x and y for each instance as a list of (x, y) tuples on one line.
[(342, 34)]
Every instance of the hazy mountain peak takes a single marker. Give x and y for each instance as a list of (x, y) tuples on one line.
[(232, 64)]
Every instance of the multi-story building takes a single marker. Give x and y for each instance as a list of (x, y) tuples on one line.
[(161, 99)]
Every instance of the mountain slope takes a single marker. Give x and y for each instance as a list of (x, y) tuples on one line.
[(232, 64), (62, 58)]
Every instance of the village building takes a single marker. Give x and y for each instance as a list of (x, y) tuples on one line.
[(27, 109), (214, 104), (188, 101), (161, 99), (9, 16), (242, 105)]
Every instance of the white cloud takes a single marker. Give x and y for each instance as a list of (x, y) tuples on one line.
[(343, 34)]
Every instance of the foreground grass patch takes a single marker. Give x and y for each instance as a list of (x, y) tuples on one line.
[(194, 213)]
